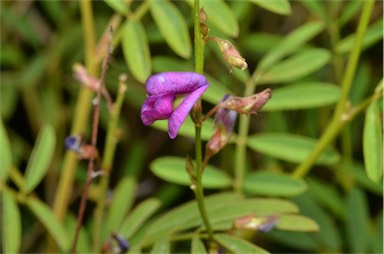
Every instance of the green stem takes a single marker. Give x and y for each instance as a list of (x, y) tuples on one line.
[(339, 117), (81, 117), (109, 153), (241, 144), (199, 68), (199, 192), (199, 45)]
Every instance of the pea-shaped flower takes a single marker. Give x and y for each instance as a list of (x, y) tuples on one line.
[(171, 95)]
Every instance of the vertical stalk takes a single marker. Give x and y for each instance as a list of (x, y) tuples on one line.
[(109, 152), (337, 121), (199, 68), (83, 107), (241, 143)]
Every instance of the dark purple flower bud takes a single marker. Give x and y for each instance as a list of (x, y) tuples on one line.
[(74, 143), (224, 122), (122, 243), (171, 95), (248, 105)]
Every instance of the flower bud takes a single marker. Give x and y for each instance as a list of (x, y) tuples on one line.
[(203, 23), (81, 74), (260, 223), (230, 53), (224, 122), (248, 105)]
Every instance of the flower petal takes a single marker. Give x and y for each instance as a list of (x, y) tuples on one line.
[(156, 108), (181, 112), (174, 83)]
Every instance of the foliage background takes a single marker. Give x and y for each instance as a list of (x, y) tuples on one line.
[(41, 40)]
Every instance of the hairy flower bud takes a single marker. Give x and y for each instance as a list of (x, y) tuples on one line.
[(230, 53), (248, 105)]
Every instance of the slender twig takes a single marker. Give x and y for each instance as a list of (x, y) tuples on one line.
[(91, 162), (199, 68)]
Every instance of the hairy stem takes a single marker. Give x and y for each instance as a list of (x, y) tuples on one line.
[(199, 68), (91, 162)]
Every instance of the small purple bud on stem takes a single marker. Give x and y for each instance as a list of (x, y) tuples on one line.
[(224, 122)]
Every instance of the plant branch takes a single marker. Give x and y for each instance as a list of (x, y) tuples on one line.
[(199, 68), (91, 162), (109, 152), (340, 115), (80, 120)]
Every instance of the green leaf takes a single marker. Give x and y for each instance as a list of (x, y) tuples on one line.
[(290, 147), (172, 27), (293, 222), (297, 66), (350, 11), (215, 91), (360, 176), (222, 219), (238, 245), (6, 156), (357, 222), (172, 169), (46, 217), (177, 218), (328, 237), (41, 157), (259, 43), (122, 200), (11, 224), (290, 43), (303, 96), (162, 246), (327, 195), (281, 7), (296, 240), (118, 5), (221, 16), (187, 129), (138, 217), (372, 36), (316, 7), (197, 245), (372, 142), (166, 63), (136, 50), (273, 184)]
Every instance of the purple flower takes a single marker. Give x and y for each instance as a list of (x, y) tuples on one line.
[(171, 95)]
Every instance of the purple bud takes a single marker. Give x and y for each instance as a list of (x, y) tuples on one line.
[(73, 143), (122, 243), (224, 122), (162, 91)]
